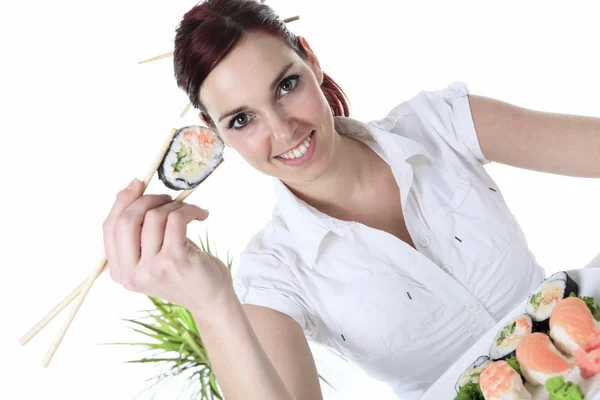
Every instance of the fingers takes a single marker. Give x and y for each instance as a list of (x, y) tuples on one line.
[(129, 228), (153, 229), (176, 229), (124, 199)]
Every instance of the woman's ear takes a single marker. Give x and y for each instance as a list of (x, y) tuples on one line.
[(312, 59), (204, 120)]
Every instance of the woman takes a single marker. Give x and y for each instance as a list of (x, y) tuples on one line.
[(389, 244)]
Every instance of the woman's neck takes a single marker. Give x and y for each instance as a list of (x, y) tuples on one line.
[(349, 183)]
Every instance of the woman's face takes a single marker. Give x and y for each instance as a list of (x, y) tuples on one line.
[(267, 104)]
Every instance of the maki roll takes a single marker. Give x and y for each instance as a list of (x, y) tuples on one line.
[(547, 295), (472, 373), (510, 336), (193, 154)]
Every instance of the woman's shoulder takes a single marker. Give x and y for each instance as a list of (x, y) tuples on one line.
[(439, 119), (425, 100), (273, 243)]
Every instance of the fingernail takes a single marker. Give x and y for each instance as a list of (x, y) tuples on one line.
[(132, 184)]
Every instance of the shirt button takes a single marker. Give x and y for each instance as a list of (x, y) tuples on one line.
[(424, 241), (447, 268), (464, 184), (471, 307)]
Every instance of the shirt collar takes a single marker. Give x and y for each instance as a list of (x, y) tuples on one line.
[(308, 225)]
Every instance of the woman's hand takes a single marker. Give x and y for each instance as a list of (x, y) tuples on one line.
[(148, 250)]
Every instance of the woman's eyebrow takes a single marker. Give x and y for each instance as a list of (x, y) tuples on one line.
[(237, 110), (273, 84), (281, 75)]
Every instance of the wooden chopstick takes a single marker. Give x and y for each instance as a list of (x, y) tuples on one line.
[(167, 55), (160, 57), (185, 110), (101, 265), (67, 300)]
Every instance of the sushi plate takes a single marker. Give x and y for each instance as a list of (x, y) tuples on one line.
[(588, 280)]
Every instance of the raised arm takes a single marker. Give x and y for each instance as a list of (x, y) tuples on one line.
[(258, 353), (550, 142)]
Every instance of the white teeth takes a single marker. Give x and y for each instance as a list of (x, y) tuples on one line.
[(298, 151)]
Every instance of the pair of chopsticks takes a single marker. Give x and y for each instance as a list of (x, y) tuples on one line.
[(81, 291)]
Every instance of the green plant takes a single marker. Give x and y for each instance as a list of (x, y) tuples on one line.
[(177, 344)]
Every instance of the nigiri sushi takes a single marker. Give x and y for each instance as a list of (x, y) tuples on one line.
[(544, 298), (509, 337), (571, 324), (587, 357), (540, 360), (500, 381), (193, 154)]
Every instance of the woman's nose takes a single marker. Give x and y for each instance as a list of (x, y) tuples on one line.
[(282, 126)]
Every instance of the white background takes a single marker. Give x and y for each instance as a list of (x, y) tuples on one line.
[(80, 118)]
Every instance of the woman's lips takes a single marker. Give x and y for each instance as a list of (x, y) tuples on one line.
[(306, 157)]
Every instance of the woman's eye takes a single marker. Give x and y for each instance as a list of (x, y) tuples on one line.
[(239, 121), (288, 84)]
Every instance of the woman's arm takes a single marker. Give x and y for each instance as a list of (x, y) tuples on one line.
[(549, 142), (258, 353)]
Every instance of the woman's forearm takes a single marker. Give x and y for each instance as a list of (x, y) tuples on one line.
[(239, 361)]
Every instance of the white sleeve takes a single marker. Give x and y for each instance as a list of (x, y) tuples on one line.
[(450, 111), (264, 280)]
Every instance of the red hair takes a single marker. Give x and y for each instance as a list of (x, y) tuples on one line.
[(211, 29)]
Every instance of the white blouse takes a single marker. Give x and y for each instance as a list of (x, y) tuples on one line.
[(402, 315)]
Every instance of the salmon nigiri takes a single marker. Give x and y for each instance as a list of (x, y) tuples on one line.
[(540, 360), (571, 324), (500, 381)]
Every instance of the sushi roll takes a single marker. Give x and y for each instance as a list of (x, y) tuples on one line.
[(544, 298), (540, 360), (508, 338), (472, 373), (500, 382), (571, 325), (193, 154)]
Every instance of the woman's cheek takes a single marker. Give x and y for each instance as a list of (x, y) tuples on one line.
[(256, 146)]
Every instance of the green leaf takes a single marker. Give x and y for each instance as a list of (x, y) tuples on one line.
[(158, 330), (178, 345), (207, 243), (512, 361), (213, 385), (470, 391), (153, 360), (196, 348), (328, 384)]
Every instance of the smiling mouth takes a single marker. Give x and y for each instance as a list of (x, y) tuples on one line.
[(299, 150)]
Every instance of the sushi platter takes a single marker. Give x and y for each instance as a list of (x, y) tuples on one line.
[(551, 338)]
